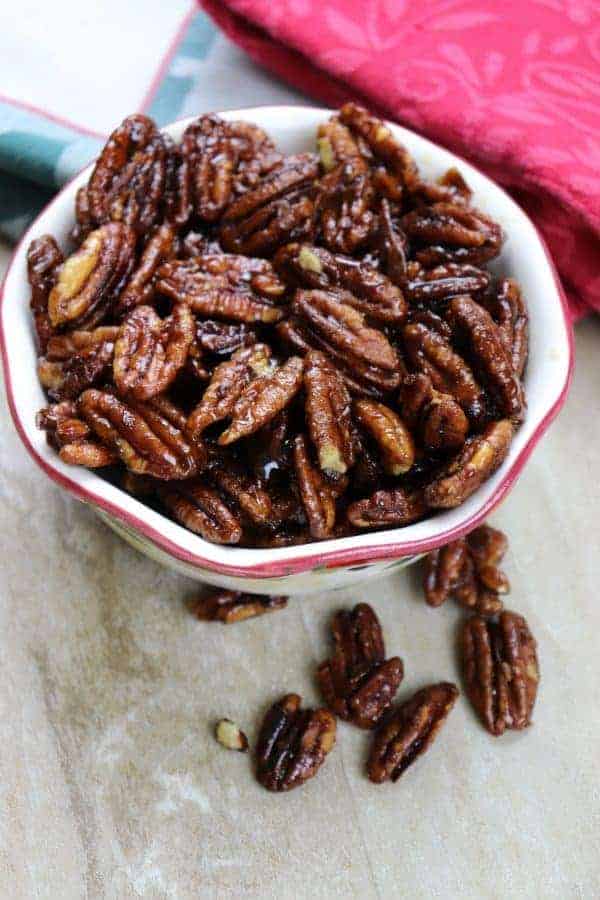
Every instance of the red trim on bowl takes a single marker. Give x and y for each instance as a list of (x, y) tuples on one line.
[(320, 556)]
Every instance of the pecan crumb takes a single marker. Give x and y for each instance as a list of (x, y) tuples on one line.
[(231, 736)]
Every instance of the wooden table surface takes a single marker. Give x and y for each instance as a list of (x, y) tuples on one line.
[(113, 786)]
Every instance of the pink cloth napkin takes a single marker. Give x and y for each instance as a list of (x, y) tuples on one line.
[(512, 86)]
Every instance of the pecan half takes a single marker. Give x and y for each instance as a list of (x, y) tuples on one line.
[(443, 282), (394, 167), (279, 209), (150, 351), (317, 495), (128, 181), (345, 219), (392, 244), (66, 378), (449, 187), (44, 258), (248, 493), (233, 606), (454, 232), (501, 670), (140, 288), (89, 280), (226, 385), (201, 509), (509, 311), (368, 290), (209, 161), (223, 290), (390, 433), (357, 683), (328, 414), (262, 399), (388, 507), (489, 353), (432, 354), (143, 436), (409, 731), (72, 437), (223, 338), (481, 456), (293, 743), (337, 146), (437, 418)]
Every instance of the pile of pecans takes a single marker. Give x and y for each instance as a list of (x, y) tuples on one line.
[(278, 349)]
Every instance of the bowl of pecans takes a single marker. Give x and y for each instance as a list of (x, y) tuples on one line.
[(282, 349)]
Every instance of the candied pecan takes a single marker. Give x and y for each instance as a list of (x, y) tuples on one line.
[(89, 454), (223, 338), (328, 408), (255, 154), (209, 163), (387, 507), (84, 222), (227, 384), (442, 571), (293, 743), (449, 187), (244, 271), (227, 295), (409, 731), (357, 683), (395, 168), (501, 670), (454, 232), (249, 494), (480, 457), (72, 437), (317, 496), (44, 258), (337, 146), (129, 178), (390, 433), (140, 288), (345, 328), (344, 214), (437, 418), (65, 379), (431, 353), (489, 353), (365, 288), (200, 509), (509, 311), (143, 436), (279, 209), (138, 485), (64, 346), (233, 606), (229, 735), (89, 280), (392, 243), (262, 399), (443, 282), (150, 351)]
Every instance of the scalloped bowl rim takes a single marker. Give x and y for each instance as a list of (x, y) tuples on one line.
[(292, 126)]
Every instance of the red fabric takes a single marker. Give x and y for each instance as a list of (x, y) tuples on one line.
[(512, 86)]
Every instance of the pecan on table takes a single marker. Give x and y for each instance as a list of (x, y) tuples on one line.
[(89, 280), (234, 606), (432, 354), (263, 399), (394, 169), (452, 232), (142, 435), (201, 509), (358, 683), (279, 209), (389, 432), (226, 385), (293, 743), (328, 414), (409, 731), (480, 457), (317, 495), (140, 287), (44, 258), (365, 288), (68, 434), (384, 508), (150, 351), (435, 417), (222, 287), (467, 570), (129, 179), (501, 670), (494, 362)]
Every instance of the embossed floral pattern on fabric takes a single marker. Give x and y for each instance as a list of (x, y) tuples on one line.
[(514, 87)]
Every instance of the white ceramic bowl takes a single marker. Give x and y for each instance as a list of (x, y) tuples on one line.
[(317, 566)]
